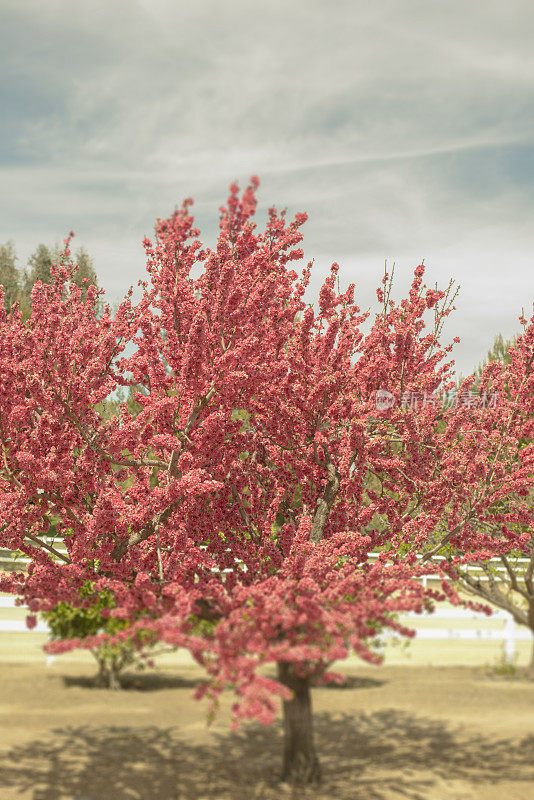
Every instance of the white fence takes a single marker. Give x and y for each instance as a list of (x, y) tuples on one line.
[(508, 632), (18, 561)]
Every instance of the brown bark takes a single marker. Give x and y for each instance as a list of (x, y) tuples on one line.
[(530, 668), (326, 501), (107, 677), (300, 765)]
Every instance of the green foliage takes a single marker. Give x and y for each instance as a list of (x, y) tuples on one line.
[(499, 351), (9, 277), (40, 265), (67, 621), (111, 406), (73, 622), (503, 667), (18, 285), (201, 627)]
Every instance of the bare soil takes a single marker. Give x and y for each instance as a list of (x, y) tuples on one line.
[(410, 732)]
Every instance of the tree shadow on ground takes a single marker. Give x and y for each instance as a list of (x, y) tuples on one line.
[(140, 682), (372, 756), (350, 682), (154, 681), (355, 682)]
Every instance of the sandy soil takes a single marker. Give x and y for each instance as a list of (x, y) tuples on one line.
[(411, 732)]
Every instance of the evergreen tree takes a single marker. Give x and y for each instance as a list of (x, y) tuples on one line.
[(498, 352), (40, 264), (18, 285), (9, 276)]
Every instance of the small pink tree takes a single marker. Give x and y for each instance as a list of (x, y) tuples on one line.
[(490, 449), (235, 514)]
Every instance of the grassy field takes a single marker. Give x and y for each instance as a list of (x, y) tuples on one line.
[(27, 647), (401, 651)]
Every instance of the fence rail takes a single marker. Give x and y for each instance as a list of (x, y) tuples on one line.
[(11, 560), (508, 633)]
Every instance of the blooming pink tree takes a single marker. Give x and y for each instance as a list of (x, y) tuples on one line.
[(235, 513), (490, 448)]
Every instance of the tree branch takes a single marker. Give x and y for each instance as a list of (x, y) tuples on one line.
[(494, 596), (242, 510), (173, 471), (513, 578), (326, 501), (48, 547), (121, 548), (90, 440)]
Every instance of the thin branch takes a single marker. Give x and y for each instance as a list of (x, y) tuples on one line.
[(90, 440), (55, 498), (513, 578), (457, 528), (326, 501), (150, 528), (48, 547), (494, 596), (173, 471), (241, 507)]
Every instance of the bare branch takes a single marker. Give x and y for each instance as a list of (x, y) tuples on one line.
[(326, 501), (121, 548), (493, 596), (513, 578), (48, 547), (240, 506)]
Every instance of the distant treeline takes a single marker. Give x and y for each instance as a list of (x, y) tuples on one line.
[(18, 283)]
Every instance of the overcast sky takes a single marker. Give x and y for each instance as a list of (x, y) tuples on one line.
[(405, 130)]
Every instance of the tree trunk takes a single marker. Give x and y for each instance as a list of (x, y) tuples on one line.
[(530, 668), (101, 679), (107, 677), (114, 682), (301, 764)]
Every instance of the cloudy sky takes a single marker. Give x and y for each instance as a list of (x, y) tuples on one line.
[(405, 129)]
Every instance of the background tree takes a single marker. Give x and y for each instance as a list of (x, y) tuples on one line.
[(40, 265), (67, 621), (9, 276), (498, 352), (498, 419), (231, 515), (18, 285)]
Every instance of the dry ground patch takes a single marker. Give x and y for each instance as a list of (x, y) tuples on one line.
[(411, 732)]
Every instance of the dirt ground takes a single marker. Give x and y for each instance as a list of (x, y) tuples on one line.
[(410, 732)]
